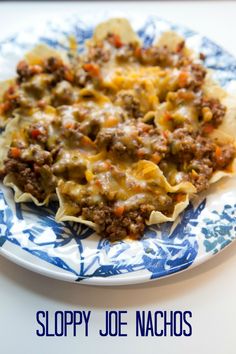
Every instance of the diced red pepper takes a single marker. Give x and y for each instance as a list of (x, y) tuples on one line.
[(15, 152), (116, 41), (119, 211), (218, 152), (93, 69), (35, 133)]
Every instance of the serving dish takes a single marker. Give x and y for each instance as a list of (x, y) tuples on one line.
[(31, 237)]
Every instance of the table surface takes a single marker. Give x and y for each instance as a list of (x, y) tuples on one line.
[(209, 291)]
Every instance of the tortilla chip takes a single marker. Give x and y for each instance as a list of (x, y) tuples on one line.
[(172, 40), (63, 212), (41, 52), (149, 171), (21, 197), (119, 26), (157, 217)]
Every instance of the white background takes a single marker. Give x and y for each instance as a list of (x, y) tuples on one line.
[(209, 291)]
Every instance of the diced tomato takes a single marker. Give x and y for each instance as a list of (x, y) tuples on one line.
[(35, 133), (218, 152), (119, 211), (93, 69), (15, 152), (116, 41)]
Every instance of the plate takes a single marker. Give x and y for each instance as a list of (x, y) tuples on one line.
[(68, 251)]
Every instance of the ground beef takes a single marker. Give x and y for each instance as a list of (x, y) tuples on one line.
[(217, 109), (35, 154), (159, 142), (116, 228), (228, 152), (60, 71), (38, 133), (196, 156), (26, 71), (98, 54), (126, 52), (73, 171), (32, 171), (117, 141), (185, 144), (82, 78), (132, 221), (135, 140), (72, 134), (62, 94), (202, 173), (160, 56), (129, 103), (198, 74), (52, 64), (31, 178), (91, 127), (23, 70)]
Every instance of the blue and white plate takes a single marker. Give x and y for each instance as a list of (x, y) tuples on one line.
[(30, 236)]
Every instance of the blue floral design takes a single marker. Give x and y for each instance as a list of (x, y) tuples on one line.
[(220, 229)]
